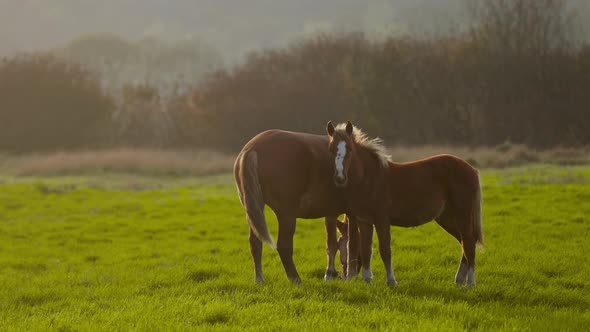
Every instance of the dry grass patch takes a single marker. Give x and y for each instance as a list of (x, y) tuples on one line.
[(203, 162), (501, 156), (144, 161)]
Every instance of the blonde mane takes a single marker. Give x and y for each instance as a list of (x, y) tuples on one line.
[(374, 145)]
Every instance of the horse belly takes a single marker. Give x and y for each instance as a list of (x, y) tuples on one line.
[(418, 216), (409, 222), (313, 205), (287, 195)]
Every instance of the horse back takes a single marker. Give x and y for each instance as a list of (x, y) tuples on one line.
[(455, 172)]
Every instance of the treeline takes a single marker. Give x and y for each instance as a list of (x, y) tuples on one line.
[(47, 104), (514, 75), (406, 91), (100, 90)]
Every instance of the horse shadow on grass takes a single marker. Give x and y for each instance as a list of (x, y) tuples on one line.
[(199, 276), (32, 300), (222, 284)]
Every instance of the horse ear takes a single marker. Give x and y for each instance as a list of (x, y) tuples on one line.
[(349, 128), (330, 128)]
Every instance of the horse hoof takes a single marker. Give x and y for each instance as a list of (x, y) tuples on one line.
[(331, 275), (391, 283), (465, 284), (367, 280), (259, 280), (296, 280)]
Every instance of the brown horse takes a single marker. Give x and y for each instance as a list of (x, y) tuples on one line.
[(380, 192), (289, 172)]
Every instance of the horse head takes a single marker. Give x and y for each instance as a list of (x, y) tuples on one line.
[(341, 149)]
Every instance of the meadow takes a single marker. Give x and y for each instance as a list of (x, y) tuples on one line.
[(110, 251)]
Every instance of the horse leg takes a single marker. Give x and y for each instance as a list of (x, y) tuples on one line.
[(353, 248), (447, 222), (384, 236), (468, 242), (342, 244), (285, 246), (331, 247), (366, 246), (256, 251), (466, 272)]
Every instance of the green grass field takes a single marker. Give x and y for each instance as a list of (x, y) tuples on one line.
[(121, 252)]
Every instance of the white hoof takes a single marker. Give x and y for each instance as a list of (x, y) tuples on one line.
[(471, 277), (461, 275), (367, 275)]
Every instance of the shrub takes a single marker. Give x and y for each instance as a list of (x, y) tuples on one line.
[(49, 104)]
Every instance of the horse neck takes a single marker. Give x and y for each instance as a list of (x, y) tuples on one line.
[(367, 167)]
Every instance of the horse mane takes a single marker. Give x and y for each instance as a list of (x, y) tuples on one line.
[(374, 145)]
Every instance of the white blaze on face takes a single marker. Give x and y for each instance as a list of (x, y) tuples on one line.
[(340, 159)]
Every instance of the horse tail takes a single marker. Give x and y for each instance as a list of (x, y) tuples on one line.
[(251, 196), (477, 217)]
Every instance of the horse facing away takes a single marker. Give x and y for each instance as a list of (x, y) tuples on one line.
[(382, 193), (289, 172)]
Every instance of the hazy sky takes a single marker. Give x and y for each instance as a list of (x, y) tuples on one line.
[(231, 26)]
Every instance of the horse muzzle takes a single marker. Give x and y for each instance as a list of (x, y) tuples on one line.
[(340, 182)]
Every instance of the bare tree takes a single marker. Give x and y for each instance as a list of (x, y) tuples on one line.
[(522, 27)]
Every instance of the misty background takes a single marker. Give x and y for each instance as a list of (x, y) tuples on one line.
[(231, 27), (77, 74)]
